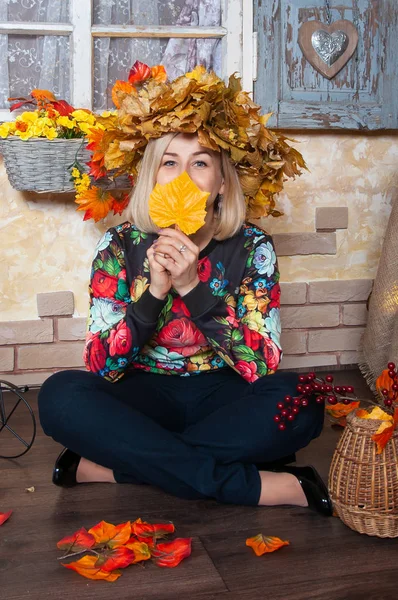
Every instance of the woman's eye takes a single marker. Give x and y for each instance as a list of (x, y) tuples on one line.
[(200, 163), (169, 163)]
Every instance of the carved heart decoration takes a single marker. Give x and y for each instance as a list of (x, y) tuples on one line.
[(328, 47)]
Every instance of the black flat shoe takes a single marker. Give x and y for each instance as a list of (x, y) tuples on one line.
[(64, 473), (314, 488)]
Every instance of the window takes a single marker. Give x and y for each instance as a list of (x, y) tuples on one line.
[(78, 48)]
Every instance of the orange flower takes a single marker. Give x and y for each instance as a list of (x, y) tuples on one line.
[(21, 126), (96, 202), (43, 95)]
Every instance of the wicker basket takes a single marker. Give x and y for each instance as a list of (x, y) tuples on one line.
[(363, 485), (41, 165)]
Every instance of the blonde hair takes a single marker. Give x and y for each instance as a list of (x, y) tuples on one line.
[(231, 216)]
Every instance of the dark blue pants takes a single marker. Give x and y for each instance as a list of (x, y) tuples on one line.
[(194, 437)]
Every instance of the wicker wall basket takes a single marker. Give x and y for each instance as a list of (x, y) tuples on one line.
[(41, 165), (363, 485)]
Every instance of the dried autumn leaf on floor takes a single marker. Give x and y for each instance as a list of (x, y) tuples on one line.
[(170, 554), (118, 558), (5, 516), (140, 549), (150, 532), (180, 203), (77, 542), (111, 535), (86, 567), (263, 544)]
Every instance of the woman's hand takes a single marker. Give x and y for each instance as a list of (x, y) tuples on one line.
[(176, 253), (160, 277)]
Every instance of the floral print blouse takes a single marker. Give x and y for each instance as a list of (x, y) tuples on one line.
[(231, 318)]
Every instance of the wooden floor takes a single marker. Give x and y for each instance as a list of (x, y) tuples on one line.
[(325, 559)]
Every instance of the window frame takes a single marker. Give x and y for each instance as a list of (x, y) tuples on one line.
[(236, 34)]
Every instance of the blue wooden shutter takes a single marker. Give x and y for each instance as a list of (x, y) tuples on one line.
[(363, 95)]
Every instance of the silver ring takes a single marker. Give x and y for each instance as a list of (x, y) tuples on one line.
[(182, 248)]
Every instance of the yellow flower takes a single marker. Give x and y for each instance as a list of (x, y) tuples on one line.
[(138, 288), (7, 129), (108, 113), (24, 135), (66, 122), (84, 127), (50, 133), (75, 173), (255, 321), (28, 117), (250, 301), (82, 115)]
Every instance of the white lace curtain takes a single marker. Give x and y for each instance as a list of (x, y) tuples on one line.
[(28, 61), (113, 57)]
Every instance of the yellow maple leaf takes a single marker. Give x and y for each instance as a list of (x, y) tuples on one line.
[(379, 414), (180, 203)]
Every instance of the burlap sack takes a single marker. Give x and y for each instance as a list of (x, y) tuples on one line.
[(380, 342)]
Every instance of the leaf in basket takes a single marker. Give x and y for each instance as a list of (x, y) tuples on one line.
[(385, 432), (339, 410), (180, 203), (379, 414)]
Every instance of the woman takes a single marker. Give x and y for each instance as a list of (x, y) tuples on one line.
[(183, 345)]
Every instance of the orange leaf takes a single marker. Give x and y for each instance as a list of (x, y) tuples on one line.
[(118, 558), (341, 410), (96, 202), (170, 554), (121, 86), (158, 73), (385, 432), (384, 381), (80, 540), (139, 72), (263, 544), (180, 203), (5, 516), (361, 413), (87, 568), (111, 535), (140, 549)]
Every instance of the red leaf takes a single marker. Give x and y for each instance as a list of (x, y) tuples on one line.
[(80, 540), (118, 558), (170, 554), (5, 516), (19, 104), (119, 205), (145, 532), (139, 72), (63, 107)]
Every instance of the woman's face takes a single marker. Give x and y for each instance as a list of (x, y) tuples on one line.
[(184, 153)]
